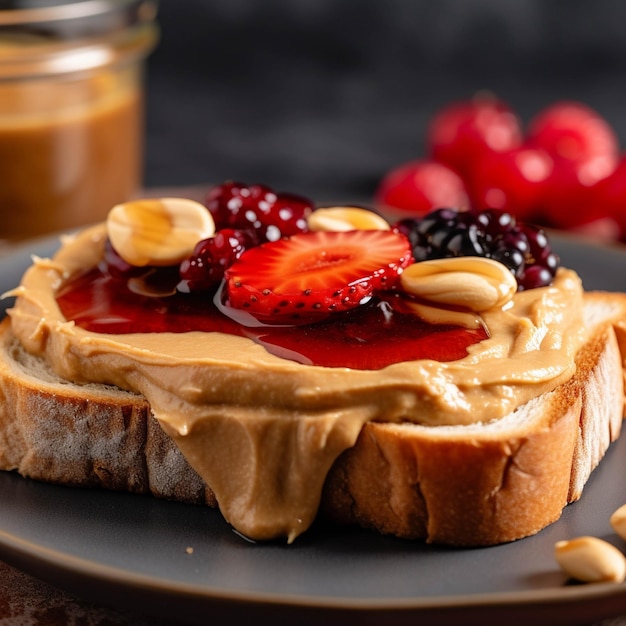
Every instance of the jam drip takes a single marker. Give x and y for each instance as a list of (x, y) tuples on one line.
[(370, 337)]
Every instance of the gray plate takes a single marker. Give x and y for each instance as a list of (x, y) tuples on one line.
[(184, 562)]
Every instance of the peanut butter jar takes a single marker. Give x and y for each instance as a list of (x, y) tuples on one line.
[(71, 110)]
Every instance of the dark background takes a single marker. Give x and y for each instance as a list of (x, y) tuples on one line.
[(321, 97)]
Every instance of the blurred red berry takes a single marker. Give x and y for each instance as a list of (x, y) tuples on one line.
[(568, 201), (574, 132), (514, 181), (462, 132), (606, 200), (585, 150), (420, 186)]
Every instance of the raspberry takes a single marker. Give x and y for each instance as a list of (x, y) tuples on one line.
[(420, 186), (463, 132)]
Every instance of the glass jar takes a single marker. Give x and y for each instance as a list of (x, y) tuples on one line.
[(71, 110)]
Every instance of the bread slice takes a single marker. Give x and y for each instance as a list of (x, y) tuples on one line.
[(491, 483), (471, 485), (88, 435)]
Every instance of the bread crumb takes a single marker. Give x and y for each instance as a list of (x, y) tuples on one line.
[(189, 550)]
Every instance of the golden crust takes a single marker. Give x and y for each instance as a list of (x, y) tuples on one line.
[(85, 435), (474, 486), (463, 486)]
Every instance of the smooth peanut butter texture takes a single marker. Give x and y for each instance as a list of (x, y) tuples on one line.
[(263, 431), (70, 149)]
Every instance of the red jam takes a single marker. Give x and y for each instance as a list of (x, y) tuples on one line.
[(370, 337)]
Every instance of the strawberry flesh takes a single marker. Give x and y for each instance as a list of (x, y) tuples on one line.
[(312, 275)]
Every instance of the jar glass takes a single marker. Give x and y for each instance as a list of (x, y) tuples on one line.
[(71, 110)]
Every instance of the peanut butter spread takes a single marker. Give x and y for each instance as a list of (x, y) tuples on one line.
[(64, 134), (263, 431)]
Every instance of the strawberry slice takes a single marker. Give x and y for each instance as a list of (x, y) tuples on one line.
[(311, 275)]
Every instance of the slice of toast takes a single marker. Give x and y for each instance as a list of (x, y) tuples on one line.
[(88, 435), (470, 485)]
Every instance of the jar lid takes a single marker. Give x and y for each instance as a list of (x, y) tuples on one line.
[(73, 18), (43, 37)]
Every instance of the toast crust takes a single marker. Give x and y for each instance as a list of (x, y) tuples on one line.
[(85, 435), (475, 486), (469, 485)]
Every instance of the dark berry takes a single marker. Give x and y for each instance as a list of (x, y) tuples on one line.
[(408, 228), (205, 268), (535, 276), (285, 217), (229, 202), (495, 221), (114, 265), (147, 279), (464, 241), (442, 233), (538, 243), (258, 208), (490, 233), (510, 257)]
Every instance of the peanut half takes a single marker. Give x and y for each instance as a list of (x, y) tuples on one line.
[(160, 231), (618, 521), (590, 559), (343, 218), (468, 283)]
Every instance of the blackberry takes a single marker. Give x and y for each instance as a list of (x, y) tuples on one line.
[(490, 233)]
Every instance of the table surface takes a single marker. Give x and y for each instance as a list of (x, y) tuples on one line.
[(25, 600)]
